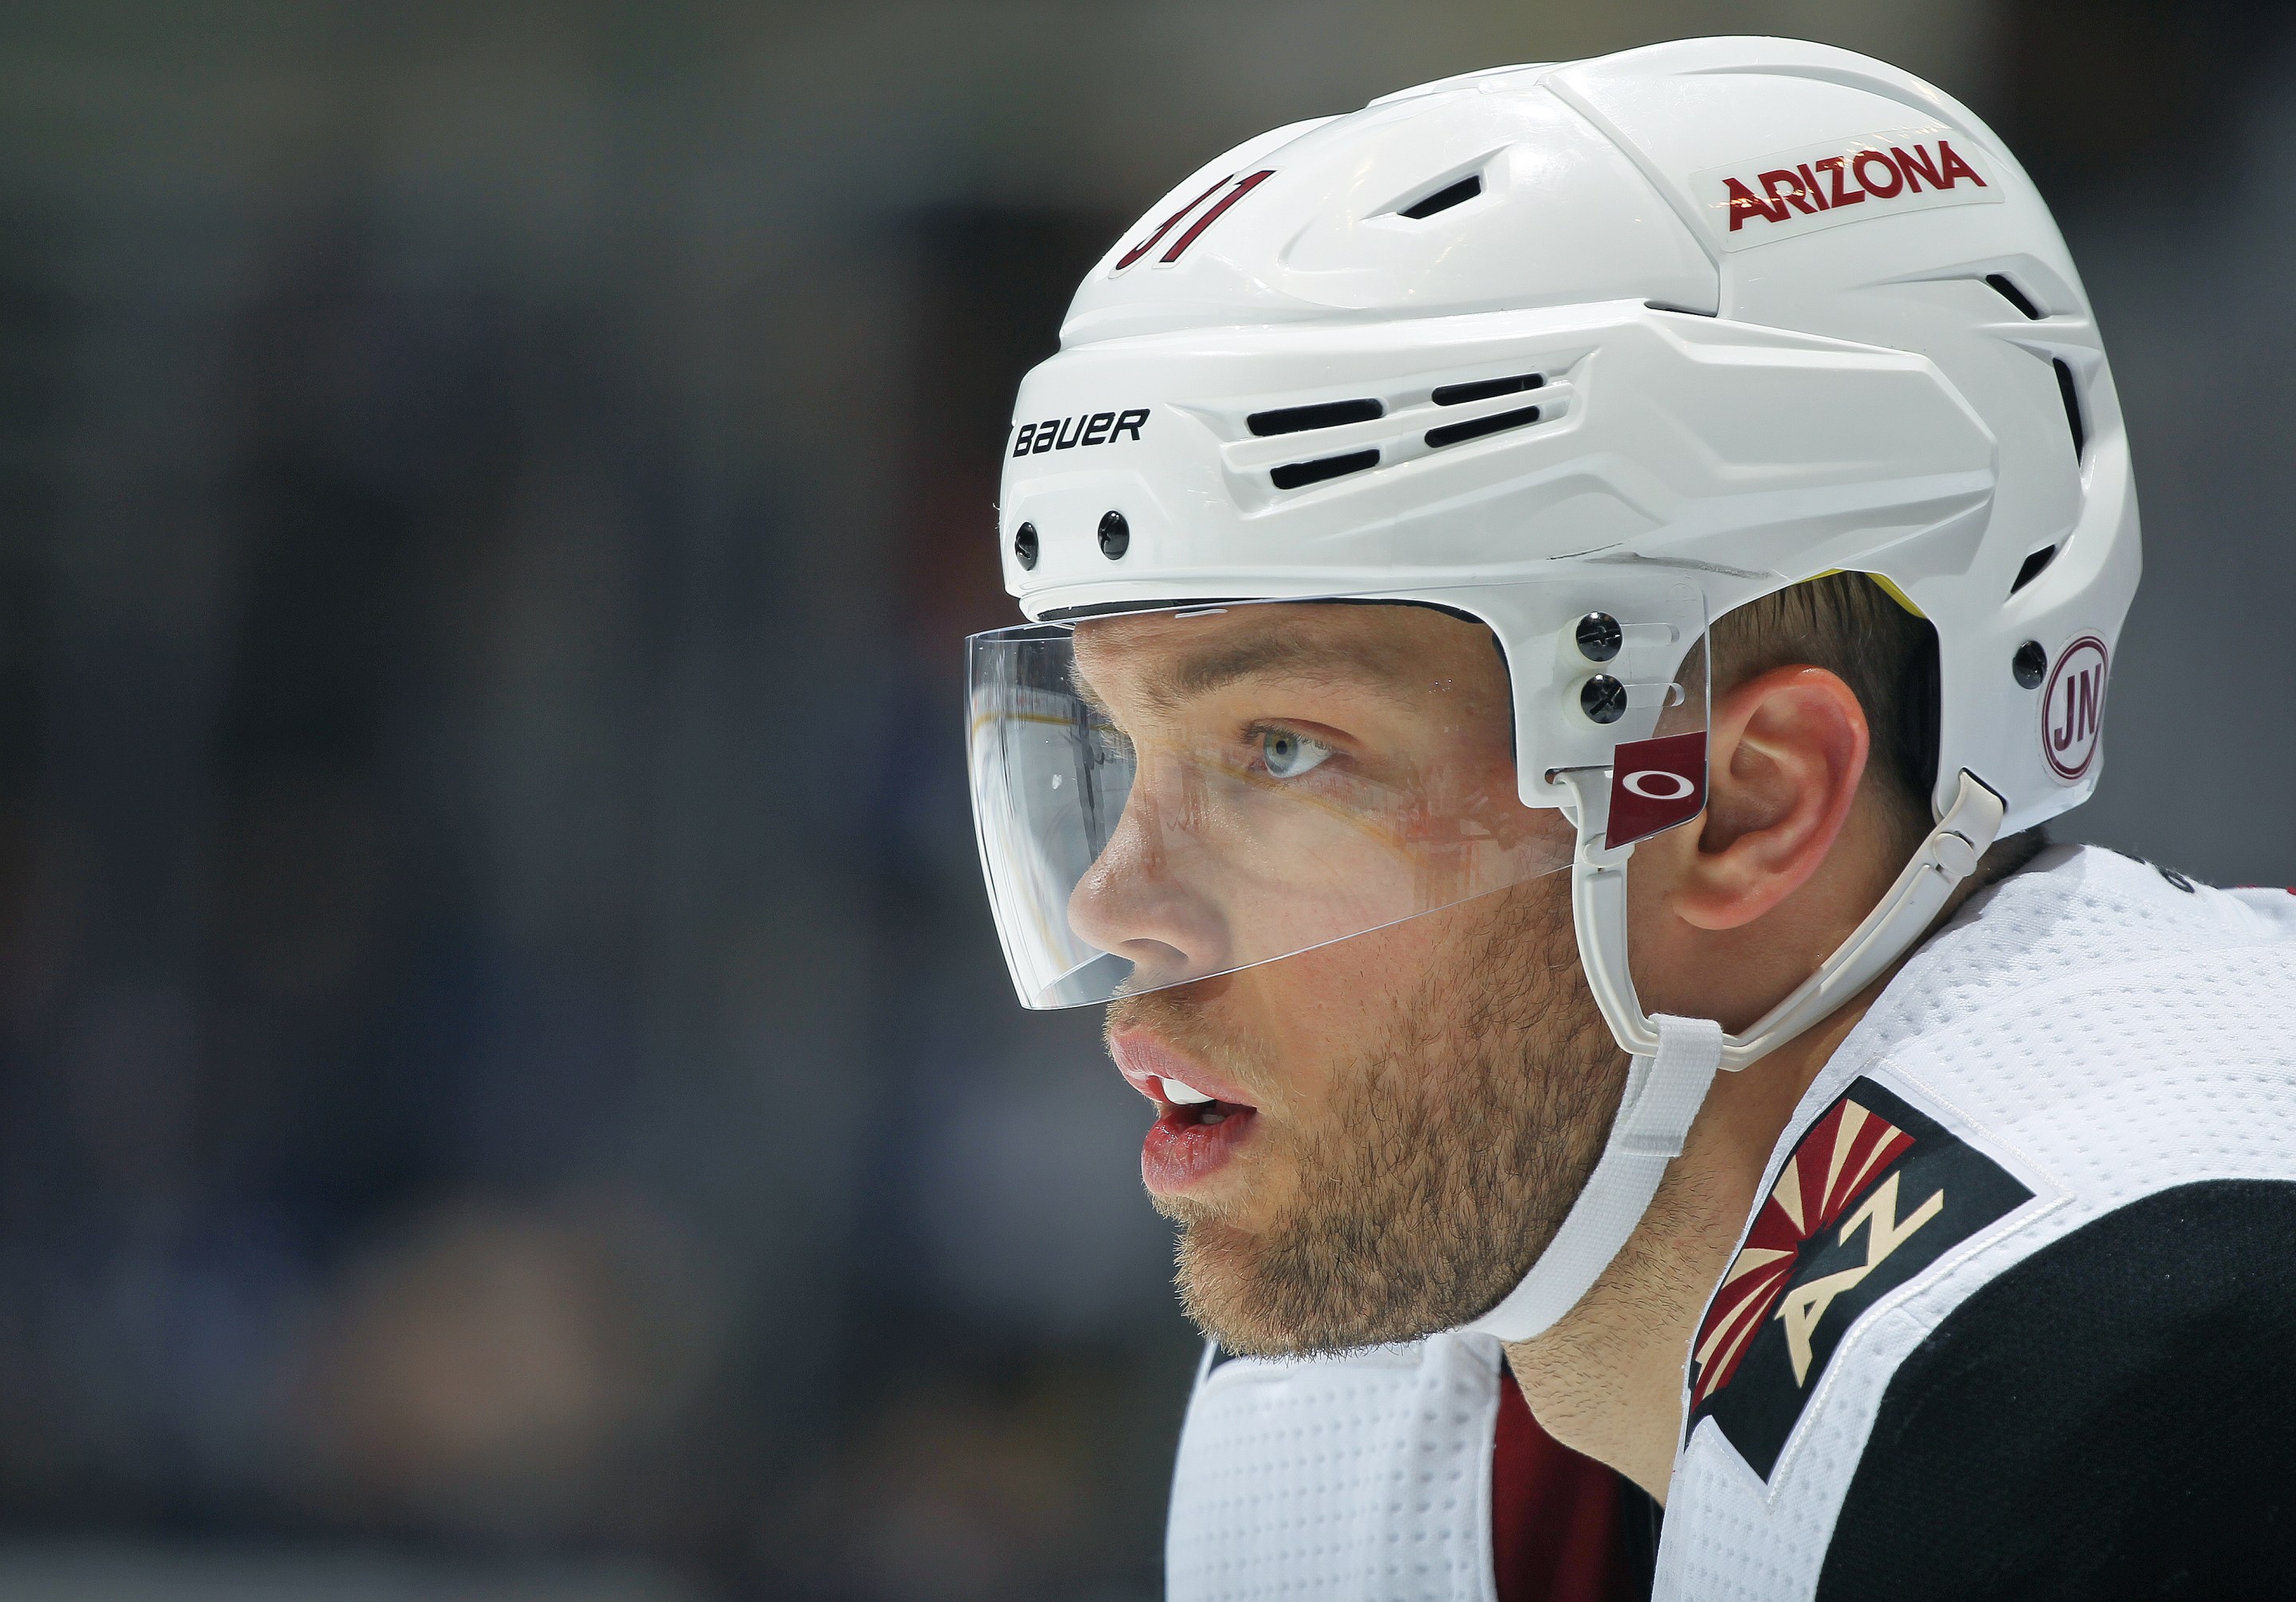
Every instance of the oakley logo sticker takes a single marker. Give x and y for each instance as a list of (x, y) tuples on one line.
[(1654, 785), (1659, 785), (2072, 709), (1221, 196), (1818, 187)]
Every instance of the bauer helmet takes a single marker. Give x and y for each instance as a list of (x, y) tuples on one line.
[(1591, 353)]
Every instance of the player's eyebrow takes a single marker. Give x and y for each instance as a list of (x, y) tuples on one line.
[(1275, 654), (1291, 657)]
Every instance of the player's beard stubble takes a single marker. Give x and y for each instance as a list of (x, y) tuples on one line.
[(1443, 1161)]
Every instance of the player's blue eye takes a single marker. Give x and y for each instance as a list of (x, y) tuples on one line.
[(1288, 755)]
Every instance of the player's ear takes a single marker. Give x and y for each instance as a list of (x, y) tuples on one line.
[(1786, 752)]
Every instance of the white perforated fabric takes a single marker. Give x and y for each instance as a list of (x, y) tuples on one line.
[(2275, 906), (2103, 1029), (1366, 1478)]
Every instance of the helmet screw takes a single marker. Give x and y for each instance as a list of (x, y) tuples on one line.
[(1602, 698), (1115, 534), (2030, 663), (1024, 545), (1600, 637)]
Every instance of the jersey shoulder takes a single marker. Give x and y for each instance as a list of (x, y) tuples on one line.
[(2099, 1034), (2084, 1069), (2082, 921), (2103, 1418)]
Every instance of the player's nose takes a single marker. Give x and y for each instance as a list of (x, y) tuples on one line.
[(1145, 897)]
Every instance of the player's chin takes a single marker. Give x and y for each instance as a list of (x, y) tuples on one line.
[(1232, 1292), (1220, 1283)]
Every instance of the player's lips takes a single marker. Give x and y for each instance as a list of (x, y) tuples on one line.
[(1192, 1137)]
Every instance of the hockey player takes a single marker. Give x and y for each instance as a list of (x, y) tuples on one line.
[(1560, 604)]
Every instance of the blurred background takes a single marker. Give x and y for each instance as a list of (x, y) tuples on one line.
[(507, 1086)]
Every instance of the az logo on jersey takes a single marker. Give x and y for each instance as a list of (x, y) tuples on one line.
[(1874, 1193)]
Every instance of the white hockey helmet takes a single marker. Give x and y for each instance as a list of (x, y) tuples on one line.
[(1590, 352)]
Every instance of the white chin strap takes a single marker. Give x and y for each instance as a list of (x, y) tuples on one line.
[(1674, 1059)]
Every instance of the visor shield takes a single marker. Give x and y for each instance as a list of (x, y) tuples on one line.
[(1163, 797)]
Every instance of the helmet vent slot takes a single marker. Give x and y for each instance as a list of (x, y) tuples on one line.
[(2072, 393), (1475, 428), (2034, 564), (2007, 287), (1299, 419), (1297, 475), (1483, 388), (1451, 194)]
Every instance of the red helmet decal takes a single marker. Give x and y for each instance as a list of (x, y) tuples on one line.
[(2072, 709), (1654, 785)]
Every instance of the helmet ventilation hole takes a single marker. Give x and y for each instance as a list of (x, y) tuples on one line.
[(2072, 393), (1296, 475), (1475, 428), (1299, 419), (1483, 388), (2033, 563), (2007, 287), (1451, 194)]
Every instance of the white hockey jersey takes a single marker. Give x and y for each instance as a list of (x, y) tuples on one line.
[(2014, 1316)]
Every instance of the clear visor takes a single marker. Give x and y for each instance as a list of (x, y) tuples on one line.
[(1165, 797)]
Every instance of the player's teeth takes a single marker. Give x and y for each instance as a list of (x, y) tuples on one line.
[(1185, 1094)]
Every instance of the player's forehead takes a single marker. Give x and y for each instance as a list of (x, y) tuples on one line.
[(1166, 659)]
